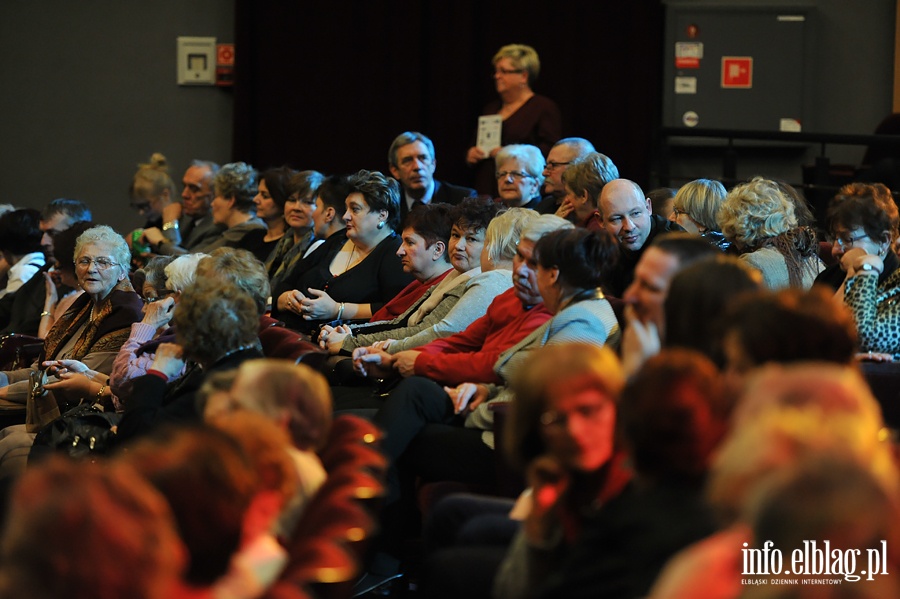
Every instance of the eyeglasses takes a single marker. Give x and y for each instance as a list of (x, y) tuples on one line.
[(165, 293), (101, 263), (677, 212), (844, 241), (590, 413), (142, 206), (307, 201), (554, 165), (517, 175), (502, 71)]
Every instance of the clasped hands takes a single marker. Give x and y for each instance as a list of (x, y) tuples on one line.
[(317, 305)]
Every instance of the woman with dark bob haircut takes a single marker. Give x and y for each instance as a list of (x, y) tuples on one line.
[(352, 275)]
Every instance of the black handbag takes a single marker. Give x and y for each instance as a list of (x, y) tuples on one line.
[(82, 431)]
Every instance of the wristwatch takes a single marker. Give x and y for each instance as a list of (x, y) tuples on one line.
[(172, 224), (867, 266)]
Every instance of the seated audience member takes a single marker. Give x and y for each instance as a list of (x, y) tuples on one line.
[(697, 299), (583, 182), (412, 162), (299, 209), (482, 247), (520, 169), (195, 227), (761, 221), (127, 542), (166, 277), (59, 215), (662, 199), (646, 295), (260, 557), (20, 246), (788, 326), (297, 399), (863, 220), (352, 277), (834, 499), (270, 200), (672, 416), (431, 312), (786, 414), (212, 489), (216, 325), (150, 280), (233, 207), (562, 155), (571, 470), (424, 254), (626, 213), (861, 216), (695, 208), (97, 323), (27, 310), (566, 268), (154, 197), (39, 303), (327, 215), (471, 354)]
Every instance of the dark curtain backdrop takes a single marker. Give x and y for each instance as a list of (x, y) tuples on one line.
[(331, 91)]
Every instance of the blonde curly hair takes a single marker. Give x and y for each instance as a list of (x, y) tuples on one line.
[(755, 211)]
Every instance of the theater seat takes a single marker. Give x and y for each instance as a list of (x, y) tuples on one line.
[(281, 342), (331, 538)]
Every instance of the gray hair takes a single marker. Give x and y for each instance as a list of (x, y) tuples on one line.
[(543, 224), (104, 235), (589, 174), (581, 146), (237, 180), (180, 272), (504, 231), (529, 157), (406, 138)]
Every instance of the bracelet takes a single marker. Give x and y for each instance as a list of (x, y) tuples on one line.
[(172, 224), (45, 313), (340, 311), (100, 392)]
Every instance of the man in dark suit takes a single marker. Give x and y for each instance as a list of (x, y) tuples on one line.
[(195, 228), (412, 163)]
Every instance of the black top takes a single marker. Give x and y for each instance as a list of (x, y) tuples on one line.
[(154, 402), (834, 275), (623, 274), (625, 545), (375, 280), (444, 193)]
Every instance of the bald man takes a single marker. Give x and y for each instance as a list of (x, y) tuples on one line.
[(627, 213)]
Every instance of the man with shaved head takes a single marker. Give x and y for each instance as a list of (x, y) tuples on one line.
[(626, 212)]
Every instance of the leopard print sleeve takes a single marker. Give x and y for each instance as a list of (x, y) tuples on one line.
[(877, 311)]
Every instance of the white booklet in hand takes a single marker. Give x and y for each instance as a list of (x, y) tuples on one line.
[(489, 128)]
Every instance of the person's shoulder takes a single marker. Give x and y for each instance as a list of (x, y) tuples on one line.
[(449, 193)]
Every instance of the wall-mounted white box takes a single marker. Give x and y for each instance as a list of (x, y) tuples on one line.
[(196, 60)]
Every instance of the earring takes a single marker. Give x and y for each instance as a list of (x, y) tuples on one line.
[(380, 225)]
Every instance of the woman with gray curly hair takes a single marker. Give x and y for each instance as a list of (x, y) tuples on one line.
[(761, 221), (233, 206)]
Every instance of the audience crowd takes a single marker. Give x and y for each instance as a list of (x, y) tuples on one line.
[(561, 385)]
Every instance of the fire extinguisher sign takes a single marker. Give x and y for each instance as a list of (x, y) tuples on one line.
[(737, 72)]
